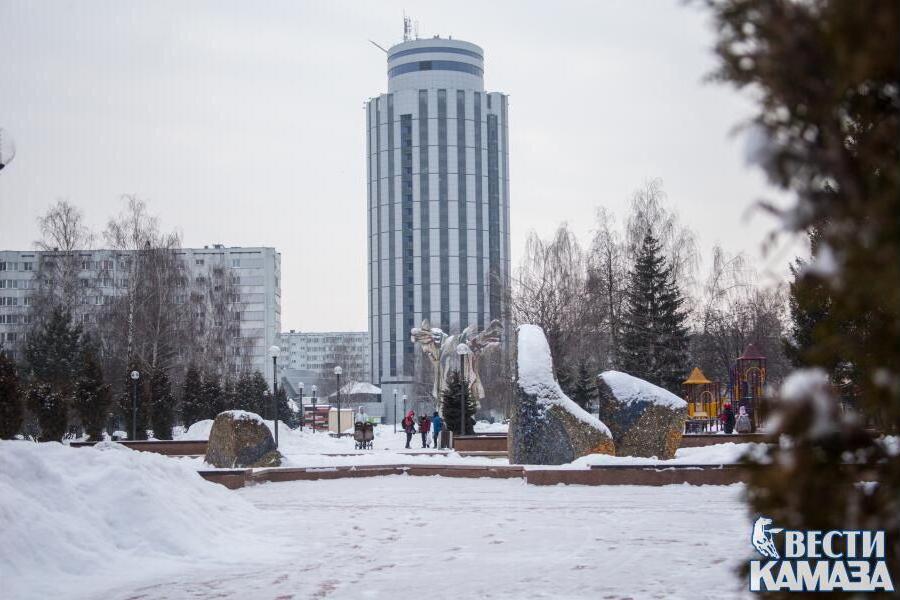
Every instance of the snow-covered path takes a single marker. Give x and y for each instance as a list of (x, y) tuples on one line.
[(433, 537)]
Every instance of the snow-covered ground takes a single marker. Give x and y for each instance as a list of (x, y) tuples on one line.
[(114, 523), (315, 450)]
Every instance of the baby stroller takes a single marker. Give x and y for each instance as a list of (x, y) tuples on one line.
[(364, 434)]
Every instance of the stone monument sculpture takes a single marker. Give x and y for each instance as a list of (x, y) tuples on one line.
[(442, 350)]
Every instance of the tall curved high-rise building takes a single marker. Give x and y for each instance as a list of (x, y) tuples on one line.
[(438, 199)]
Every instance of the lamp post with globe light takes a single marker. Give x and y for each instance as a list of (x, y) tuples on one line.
[(134, 380), (395, 411), (302, 416), (463, 350), (315, 393), (274, 351), (337, 373)]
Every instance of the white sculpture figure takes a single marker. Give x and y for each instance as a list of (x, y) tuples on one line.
[(431, 340), (441, 349)]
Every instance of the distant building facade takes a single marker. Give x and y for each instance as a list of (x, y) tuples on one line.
[(438, 201), (320, 351), (254, 275)]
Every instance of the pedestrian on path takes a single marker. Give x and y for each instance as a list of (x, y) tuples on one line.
[(728, 418), (424, 426), (437, 425), (742, 423), (409, 426)]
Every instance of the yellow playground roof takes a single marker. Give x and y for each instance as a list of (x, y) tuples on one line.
[(696, 377)]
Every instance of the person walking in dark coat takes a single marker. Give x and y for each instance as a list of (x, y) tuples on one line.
[(728, 419), (409, 426), (424, 427), (437, 426)]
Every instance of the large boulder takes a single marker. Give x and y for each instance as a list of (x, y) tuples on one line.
[(241, 439), (546, 427), (645, 419)]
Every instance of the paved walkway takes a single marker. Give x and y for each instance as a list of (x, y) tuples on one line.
[(433, 537)]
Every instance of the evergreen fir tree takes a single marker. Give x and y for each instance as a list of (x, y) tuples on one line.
[(565, 380), (91, 398), (162, 405), (251, 393), (211, 401), (53, 351), (451, 404), (11, 410), (191, 407), (584, 389), (125, 408), (810, 304), (654, 337), (51, 411), (230, 394), (285, 414)]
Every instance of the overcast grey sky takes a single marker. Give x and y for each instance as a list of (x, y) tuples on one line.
[(242, 122)]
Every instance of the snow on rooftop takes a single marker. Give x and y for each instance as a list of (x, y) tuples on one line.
[(627, 388), (536, 375), (358, 387)]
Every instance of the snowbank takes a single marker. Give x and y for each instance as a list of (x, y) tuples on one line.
[(628, 389), (73, 518), (718, 454), (486, 427), (536, 375), (198, 431)]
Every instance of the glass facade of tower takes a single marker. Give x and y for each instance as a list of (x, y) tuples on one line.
[(438, 200)]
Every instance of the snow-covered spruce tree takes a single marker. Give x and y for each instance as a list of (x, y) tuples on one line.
[(565, 378), (162, 405), (50, 409), (251, 391), (811, 341), (211, 401), (451, 401), (53, 351), (285, 414), (11, 410), (229, 394), (833, 148), (654, 336), (584, 388), (142, 422), (91, 398), (191, 408)]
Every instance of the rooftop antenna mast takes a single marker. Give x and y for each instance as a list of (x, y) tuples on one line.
[(407, 28)]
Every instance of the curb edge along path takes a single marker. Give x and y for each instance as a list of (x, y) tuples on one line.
[(596, 475)]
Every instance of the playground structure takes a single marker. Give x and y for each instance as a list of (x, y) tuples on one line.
[(747, 384), (746, 387), (704, 402)]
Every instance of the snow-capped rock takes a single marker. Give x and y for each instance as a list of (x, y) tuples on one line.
[(546, 427), (645, 419)]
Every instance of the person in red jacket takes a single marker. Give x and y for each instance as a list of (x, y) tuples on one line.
[(409, 426), (424, 427)]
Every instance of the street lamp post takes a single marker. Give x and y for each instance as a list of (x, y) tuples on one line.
[(134, 380), (395, 410), (462, 350), (315, 391), (404, 406), (301, 406), (337, 373), (274, 351)]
